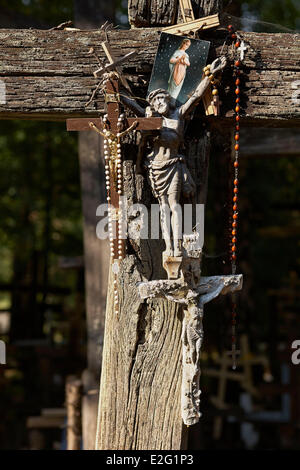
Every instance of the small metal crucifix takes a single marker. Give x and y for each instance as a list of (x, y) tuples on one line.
[(242, 49)]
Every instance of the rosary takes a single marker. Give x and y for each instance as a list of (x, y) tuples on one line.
[(239, 46)]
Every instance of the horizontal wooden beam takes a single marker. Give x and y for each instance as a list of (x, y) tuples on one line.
[(79, 124), (49, 74)]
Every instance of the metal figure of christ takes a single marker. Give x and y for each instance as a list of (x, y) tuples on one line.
[(167, 170)]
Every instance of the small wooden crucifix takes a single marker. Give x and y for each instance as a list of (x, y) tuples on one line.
[(110, 128), (114, 64)]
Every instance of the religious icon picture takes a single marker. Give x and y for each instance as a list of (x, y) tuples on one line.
[(178, 65)]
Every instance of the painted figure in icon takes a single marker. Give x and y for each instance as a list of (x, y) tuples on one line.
[(178, 65)]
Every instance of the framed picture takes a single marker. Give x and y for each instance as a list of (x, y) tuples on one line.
[(178, 65)]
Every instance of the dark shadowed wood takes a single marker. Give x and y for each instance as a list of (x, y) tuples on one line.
[(90, 14), (96, 261), (145, 13), (48, 74)]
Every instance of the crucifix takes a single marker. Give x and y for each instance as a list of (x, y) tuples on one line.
[(110, 128), (192, 292), (242, 49), (114, 64)]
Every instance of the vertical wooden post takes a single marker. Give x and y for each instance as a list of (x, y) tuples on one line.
[(73, 404)]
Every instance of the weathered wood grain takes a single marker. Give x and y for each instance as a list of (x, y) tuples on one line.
[(48, 74), (145, 13)]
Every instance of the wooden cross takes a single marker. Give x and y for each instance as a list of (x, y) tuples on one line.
[(114, 63), (234, 353), (113, 108), (186, 10)]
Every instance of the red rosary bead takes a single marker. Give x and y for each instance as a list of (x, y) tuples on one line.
[(237, 63), (237, 137), (235, 198), (236, 147), (238, 81), (237, 44), (236, 164), (236, 181), (237, 100), (237, 118)]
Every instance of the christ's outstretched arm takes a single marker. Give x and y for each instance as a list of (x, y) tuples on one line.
[(133, 105), (217, 66)]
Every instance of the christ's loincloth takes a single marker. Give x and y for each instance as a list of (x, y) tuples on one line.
[(170, 177)]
